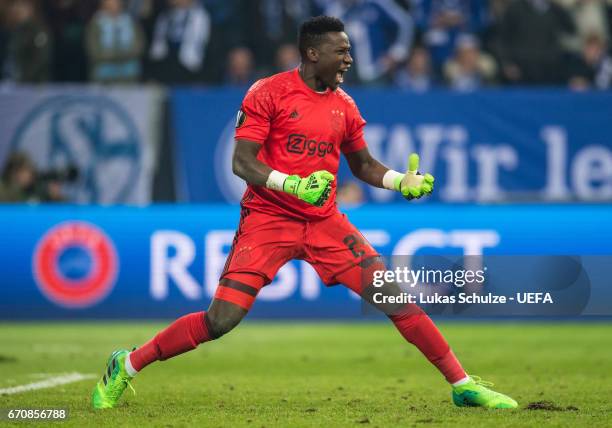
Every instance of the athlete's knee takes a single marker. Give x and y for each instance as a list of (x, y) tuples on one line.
[(222, 317), (220, 326)]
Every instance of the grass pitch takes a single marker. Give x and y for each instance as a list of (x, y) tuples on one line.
[(320, 374)]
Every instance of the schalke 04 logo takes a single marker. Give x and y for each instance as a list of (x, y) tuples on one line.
[(93, 133), (75, 264)]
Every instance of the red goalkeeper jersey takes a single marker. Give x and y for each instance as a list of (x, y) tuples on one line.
[(301, 131)]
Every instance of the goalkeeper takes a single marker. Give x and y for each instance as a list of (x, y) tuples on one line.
[(290, 131)]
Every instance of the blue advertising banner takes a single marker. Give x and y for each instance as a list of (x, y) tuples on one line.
[(495, 145), (70, 262)]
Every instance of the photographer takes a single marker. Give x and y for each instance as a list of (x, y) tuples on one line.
[(22, 183)]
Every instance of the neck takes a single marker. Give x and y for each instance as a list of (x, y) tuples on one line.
[(312, 81)]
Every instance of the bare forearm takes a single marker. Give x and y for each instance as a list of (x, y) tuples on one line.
[(255, 172), (246, 165), (366, 168), (372, 173)]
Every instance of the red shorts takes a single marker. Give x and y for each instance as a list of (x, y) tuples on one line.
[(264, 243)]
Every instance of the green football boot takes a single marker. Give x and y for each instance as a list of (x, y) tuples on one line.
[(108, 390), (476, 393)]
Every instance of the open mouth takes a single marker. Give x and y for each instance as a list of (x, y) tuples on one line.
[(340, 76)]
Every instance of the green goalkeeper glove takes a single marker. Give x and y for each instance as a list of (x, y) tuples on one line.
[(314, 189), (413, 184)]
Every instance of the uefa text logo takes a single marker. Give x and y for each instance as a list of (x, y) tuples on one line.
[(75, 264)]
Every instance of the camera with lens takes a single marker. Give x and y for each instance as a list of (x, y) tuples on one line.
[(67, 175), (47, 186)]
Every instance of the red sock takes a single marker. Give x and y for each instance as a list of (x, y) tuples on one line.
[(183, 335), (418, 329)]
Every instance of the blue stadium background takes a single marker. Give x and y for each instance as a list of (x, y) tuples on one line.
[(525, 171)]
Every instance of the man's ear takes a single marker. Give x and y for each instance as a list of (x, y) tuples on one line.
[(312, 54)]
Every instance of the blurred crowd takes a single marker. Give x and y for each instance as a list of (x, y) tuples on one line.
[(415, 45)]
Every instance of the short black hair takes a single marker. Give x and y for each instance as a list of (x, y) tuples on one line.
[(312, 31)]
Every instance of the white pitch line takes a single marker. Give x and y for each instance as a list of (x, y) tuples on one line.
[(47, 383)]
